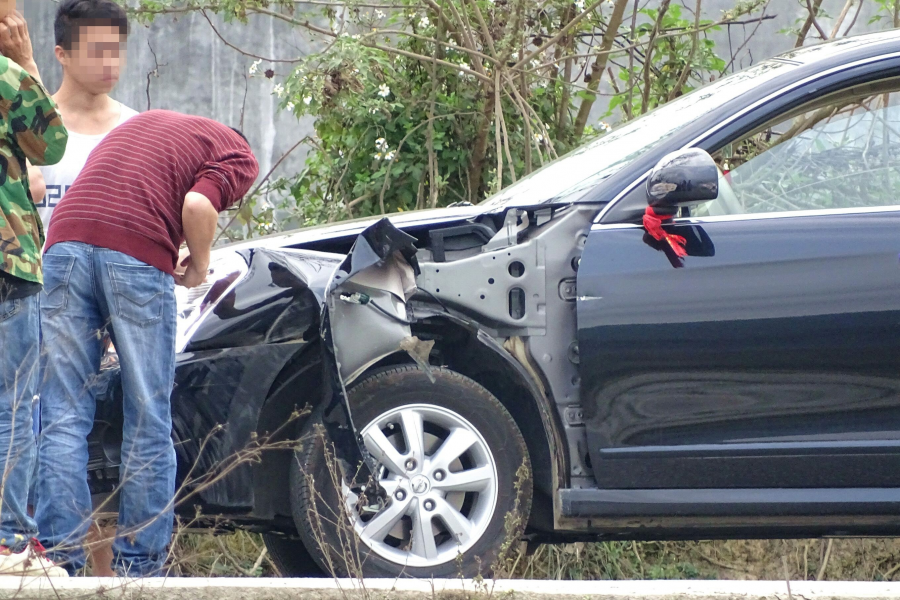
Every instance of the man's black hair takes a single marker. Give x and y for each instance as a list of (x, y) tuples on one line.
[(240, 133), (72, 15)]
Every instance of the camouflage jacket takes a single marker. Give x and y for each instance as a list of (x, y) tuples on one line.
[(30, 128)]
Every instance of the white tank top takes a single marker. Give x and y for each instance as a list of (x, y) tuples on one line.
[(61, 176)]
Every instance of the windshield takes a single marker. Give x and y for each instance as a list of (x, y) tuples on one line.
[(580, 170)]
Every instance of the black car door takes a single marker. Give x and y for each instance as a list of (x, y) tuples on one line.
[(770, 356)]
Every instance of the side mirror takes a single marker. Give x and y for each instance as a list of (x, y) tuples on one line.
[(681, 178)]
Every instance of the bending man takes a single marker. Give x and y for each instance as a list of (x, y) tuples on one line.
[(156, 180)]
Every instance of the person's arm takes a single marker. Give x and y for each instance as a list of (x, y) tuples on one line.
[(222, 180), (36, 183), (199, 219), (228, 173), (15, 43), (34, 123)]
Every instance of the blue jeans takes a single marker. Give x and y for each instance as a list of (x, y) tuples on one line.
[(20, 328), (86, 289)]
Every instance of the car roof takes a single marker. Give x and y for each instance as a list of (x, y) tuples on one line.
[(845, 50)]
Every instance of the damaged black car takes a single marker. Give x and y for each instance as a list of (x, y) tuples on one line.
[(685, 329)]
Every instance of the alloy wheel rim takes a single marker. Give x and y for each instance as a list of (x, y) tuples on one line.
[(440, 479)]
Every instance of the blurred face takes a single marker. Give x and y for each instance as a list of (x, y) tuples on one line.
[(6, 7), (96, 58)]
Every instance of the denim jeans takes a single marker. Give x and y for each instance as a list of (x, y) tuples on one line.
[(20, 328), (86, 289)]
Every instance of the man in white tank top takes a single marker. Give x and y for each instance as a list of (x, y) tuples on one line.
[(90, 45)]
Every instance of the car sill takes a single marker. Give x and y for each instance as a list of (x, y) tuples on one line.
[(584, 503)]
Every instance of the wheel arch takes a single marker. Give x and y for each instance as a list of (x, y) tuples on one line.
[(471, 352)]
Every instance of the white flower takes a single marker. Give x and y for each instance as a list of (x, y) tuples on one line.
[(290, 106), (341, 153), (377, 156), (538, 138), (373, 111), (328, 197), (279, 90), (579, 5), (307, 100), (379, 14), (390, 155), (464, 65), (424, 23), (355, 36), (254, 68), (356, 71), (605, 127), (384, 91), (381, 144)]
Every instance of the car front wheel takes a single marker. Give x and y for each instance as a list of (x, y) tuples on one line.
[(453, 466)]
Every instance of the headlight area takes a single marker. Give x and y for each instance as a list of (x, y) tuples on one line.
[(227, 268)]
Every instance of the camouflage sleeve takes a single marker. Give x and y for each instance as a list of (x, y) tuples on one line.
[(34, 126)]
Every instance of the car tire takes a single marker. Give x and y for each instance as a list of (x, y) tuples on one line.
[(291, 557), (484, 483)]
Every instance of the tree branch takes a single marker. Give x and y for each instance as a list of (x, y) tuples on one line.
[(688, 66), (599, 66), (811, 20), (244, 52), (645, 97)]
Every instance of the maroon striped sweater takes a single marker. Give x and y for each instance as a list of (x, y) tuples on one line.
[(130, 194)]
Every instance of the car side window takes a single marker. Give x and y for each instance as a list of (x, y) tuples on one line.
[(843, 153)]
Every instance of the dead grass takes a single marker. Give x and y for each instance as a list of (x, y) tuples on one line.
[(849, 559), (875, 559), (238, 554)]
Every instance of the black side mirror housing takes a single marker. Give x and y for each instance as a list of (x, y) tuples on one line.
[(683, 178)]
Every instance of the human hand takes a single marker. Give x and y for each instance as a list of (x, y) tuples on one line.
[(15, 42), (193, 275), (184, 259)]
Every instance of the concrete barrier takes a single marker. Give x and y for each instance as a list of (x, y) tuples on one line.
[(406, 589)]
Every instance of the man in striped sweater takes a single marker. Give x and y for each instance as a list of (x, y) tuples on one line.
[(157, 180)]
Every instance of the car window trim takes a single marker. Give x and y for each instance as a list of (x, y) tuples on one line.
[(789, 214), (793, 214), (743, 112)]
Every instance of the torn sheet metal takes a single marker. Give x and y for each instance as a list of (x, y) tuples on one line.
[(369, 317), (364, 319)]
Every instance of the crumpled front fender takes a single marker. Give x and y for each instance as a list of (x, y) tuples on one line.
[(364, 319)]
